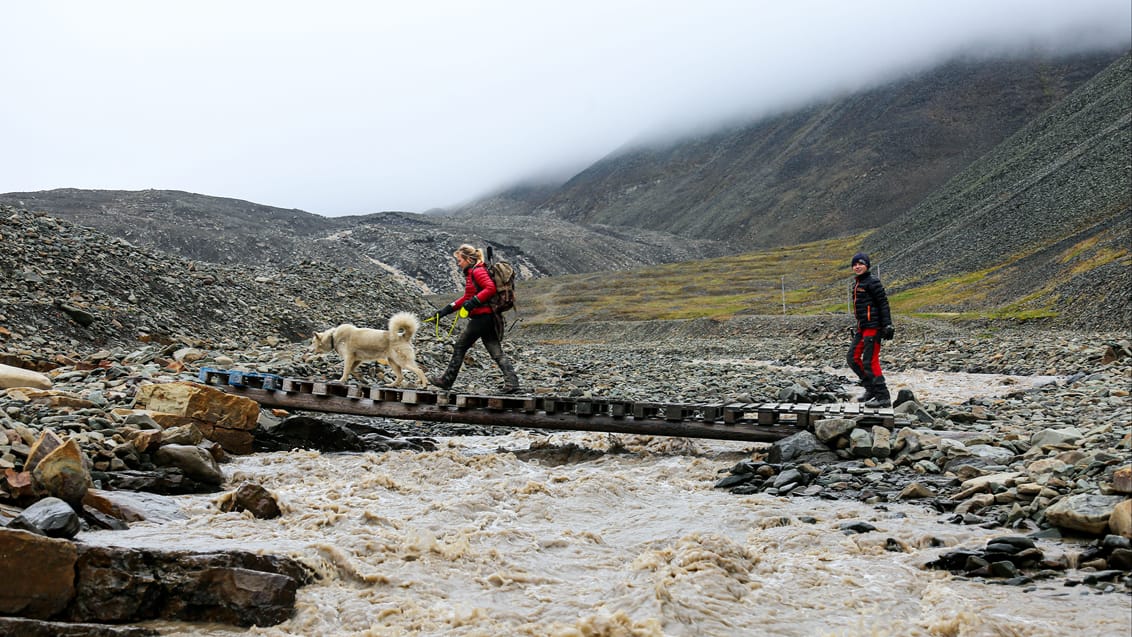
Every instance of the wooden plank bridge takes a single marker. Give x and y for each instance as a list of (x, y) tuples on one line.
[(754, 422)]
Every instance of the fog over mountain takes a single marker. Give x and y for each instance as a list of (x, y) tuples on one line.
[(353, 108)]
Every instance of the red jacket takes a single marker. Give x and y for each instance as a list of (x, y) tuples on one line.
[(477, 283)]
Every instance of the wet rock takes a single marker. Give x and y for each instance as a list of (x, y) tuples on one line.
[(305, 432), (195, 462), (133, 505), (123, 585), (828, 430), (51, 517), (38, 628), (252, 498), (1084, 512), (802, 446), (857, 527), (163, 481), (46, 570)]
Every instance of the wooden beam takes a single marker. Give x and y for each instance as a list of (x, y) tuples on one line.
[(652, 426)]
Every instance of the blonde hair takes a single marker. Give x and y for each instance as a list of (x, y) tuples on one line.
[(469, 252)]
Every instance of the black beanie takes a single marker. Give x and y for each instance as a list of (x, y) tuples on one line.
[(860, 257)]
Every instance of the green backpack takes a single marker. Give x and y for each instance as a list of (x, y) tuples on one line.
[(504, 277)]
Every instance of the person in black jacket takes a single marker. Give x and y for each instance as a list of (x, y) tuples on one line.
[(874, 323)]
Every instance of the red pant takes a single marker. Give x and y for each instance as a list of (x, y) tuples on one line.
[(864, 354)]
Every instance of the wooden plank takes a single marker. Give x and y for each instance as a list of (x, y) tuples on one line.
[(645, 410), (297, 385), (714, 412), (386, 394), (732, 414), (801, 413), (471, 401), (677, 412), (419, 397), (560, 405), (768, 413)]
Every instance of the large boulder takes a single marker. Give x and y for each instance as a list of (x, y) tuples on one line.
[(115, 585), (1085, 512), (20, 377), (222, 417), (51, 517), (40, 574), (63, 473)]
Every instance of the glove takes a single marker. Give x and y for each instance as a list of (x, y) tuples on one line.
[(442, 312), (471, 304), (888, 332)]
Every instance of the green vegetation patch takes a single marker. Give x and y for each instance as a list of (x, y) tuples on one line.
[(812, 277)]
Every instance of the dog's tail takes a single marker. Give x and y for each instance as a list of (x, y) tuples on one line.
[(403, 325)]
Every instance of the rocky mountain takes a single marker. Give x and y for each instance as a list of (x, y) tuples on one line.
[(67, 287), (831, 169), (415, 247), (1042, 220)]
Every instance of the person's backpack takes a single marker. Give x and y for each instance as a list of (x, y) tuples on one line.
[(504, 277)]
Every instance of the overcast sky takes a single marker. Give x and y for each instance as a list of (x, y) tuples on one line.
[(338, 107)]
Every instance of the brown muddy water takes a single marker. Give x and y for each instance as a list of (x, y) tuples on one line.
[(582, 534)]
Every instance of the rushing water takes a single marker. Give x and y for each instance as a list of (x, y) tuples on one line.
[(584, 534)]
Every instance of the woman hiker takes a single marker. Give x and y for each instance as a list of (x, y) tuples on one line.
[(482, 321), (874, 322)]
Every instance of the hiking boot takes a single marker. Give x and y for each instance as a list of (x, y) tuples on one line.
[(440, 381), (510, 379), (869, 393), (446, 380), (880, 398)]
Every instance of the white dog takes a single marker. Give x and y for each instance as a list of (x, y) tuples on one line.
[(358, 345)]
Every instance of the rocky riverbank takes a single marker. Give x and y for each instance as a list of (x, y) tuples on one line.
[(1015, 429)]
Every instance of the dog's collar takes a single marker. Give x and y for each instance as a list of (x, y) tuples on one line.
[(331, 340)]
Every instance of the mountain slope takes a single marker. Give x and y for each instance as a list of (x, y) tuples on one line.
[(1044, 216), (414, 247), (829, 170)]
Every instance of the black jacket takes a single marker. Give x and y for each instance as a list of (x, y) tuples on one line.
[(870, 303)]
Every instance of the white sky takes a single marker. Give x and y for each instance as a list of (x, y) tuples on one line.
[(351, 107)]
